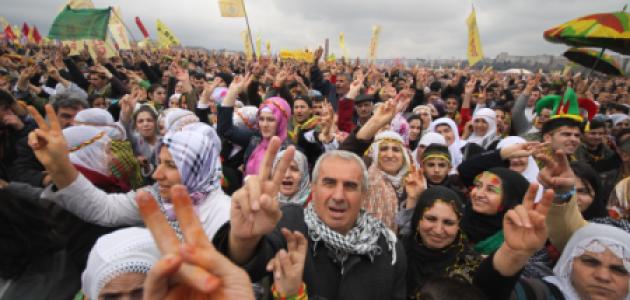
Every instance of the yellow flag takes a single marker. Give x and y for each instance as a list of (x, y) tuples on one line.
[(166, 38), (247, 45), (342, 44), (78, 4), (300, 55), (268, 48), (258, 46), (232, 8), (566, 70), (4, 22), (117, 29), (105, 48), (376, 30), (475, 53)]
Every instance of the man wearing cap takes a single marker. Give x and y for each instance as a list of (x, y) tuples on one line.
[(564, 129)]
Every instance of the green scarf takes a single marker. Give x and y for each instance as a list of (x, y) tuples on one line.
[(490, 244)]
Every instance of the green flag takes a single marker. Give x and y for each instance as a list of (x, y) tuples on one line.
[(78, 24)]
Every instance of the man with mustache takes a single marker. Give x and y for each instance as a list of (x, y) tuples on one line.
[(350, 254)]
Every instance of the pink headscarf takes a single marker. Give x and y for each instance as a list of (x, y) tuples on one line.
[(282, 113)]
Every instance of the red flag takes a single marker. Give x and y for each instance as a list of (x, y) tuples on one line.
[(145, 33), (37, 38), (25, 29), (8, 31)]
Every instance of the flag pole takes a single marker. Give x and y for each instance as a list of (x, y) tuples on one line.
[(249, 31), (125, 25)]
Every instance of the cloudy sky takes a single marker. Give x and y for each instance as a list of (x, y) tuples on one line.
[(410, 28)]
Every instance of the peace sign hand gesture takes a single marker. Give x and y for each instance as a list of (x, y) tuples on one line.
[(288, 265), (255, 208), (194, 269)]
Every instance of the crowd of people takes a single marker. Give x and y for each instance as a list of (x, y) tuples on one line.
[(185, 174)]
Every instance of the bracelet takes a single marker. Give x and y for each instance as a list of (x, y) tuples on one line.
[(301, 295), (564, 197)]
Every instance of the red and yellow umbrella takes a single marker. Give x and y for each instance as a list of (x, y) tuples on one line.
[(605, 30), (595, 60)]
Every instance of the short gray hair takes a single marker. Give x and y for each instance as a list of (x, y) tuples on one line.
[(345, 155)]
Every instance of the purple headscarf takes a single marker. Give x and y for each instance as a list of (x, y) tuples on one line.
[(282, 113)]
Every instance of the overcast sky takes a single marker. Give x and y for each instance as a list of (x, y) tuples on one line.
[(409, 28)]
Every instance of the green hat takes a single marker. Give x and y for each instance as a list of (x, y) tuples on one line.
[(565, 111)]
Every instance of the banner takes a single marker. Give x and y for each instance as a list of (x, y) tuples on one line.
[(165, 37), (300, 55), (105, 48), (475, 53), (77, 24), (232, 8), (376, 30), (258, 46), (247, 45)]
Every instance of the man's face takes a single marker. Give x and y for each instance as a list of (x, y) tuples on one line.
[(436, 169), (533, 97), (545, 114), (342, 84), (301, 110), (600, 275), (566, 138), (96, 81), (364, 109), (603, 97), (197, 82), (317, 108), (66, 116), (338, 192), (594, 137)]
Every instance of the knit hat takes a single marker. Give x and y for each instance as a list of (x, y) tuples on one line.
[(129, 250), (565, 111)]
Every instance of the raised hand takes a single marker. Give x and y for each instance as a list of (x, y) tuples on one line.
[(356, 86), (403, 99), (318, 55), (470, 86), (194, 269), (520, 150), (255, 208), (47, 141), (524, 226), (288, 265), (557, 173), (415, 185)]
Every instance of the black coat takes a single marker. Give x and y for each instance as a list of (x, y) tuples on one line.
[(363, 279)]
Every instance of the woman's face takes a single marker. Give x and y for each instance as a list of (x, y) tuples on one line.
[(446, 132), (415, 129), (166, 173), (173, 102), (145, 124), (487, 193), (291, 180), (390, 157), (585, 194), (519, 164), (124, 286), (600, 276), (425, 115), (99, 102), (267, 124), (438, 226), (159, 95), (179, 87), (480, 127)]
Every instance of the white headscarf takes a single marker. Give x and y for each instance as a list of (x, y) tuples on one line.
[(490, 136), (426, 140), (384, 136), (176, 118), (129, 250), (456, 147), (88, 148), (304, 188), (531, 172), (101, 118), (245, 117), (593, 238), (618, 118)]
